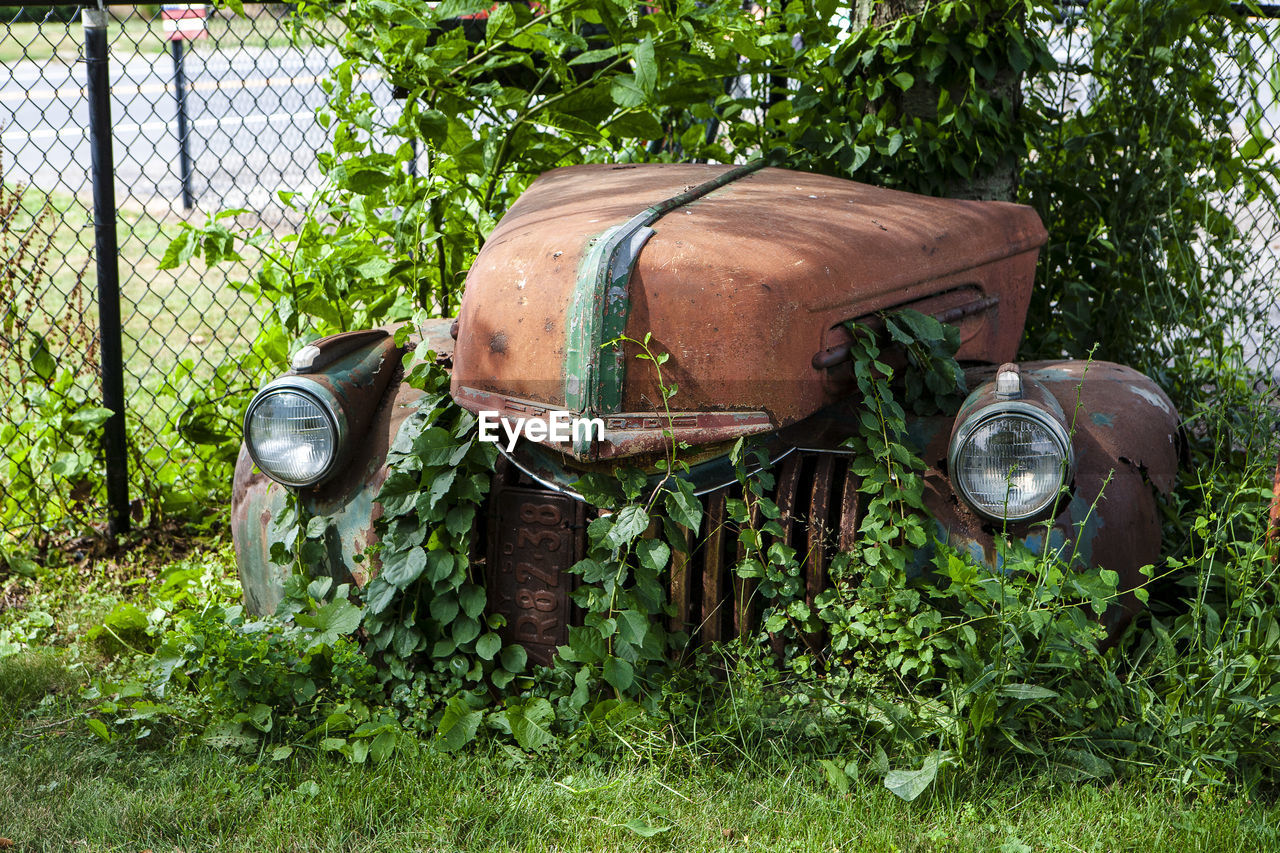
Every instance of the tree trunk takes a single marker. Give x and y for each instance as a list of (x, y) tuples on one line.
[(921, 101)]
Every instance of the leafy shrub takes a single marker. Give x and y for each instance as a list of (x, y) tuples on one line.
[(1142, 185)]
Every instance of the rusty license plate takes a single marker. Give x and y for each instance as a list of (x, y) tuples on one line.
[(533, 543)]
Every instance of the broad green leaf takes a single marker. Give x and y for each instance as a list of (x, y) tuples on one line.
[(644, 829), (593, 571), (440, 565), (382, 747), (179, 250), (432, 495), (1027, 691), (378, 595), (910, 784), (586, 645), (89, 418), (629, 523), (401, 568), (683, 506), (488, 645), (593, 56), (319, 588), (529, 721), (514, 658), (465, 630), (399, 492), (460, 520), (625, 92), (458, 725), (618, 672), (126, 616), (472, 598), (1088, 764), (42, 361), (335, 619), (444, 608), (374, 268), (435, 447), (836, 776), (653, 554), (646, 65), (365, 181), (634, 626)]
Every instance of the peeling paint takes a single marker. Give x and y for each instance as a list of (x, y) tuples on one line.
[(1154, 397)]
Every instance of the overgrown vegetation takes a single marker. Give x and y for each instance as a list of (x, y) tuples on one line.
[(918, 676), (48, 362)]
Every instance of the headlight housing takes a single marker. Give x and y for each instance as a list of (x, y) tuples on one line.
[(1010, 453), (295, 431)]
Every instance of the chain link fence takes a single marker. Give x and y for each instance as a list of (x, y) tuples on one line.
[(1256, 130), (1248, 75), (243, 97), (224, 120)]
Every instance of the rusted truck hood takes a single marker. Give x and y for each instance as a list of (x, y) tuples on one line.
[(743, 276)]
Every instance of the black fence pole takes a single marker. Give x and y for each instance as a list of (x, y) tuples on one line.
[(111, 348), (184, 140)]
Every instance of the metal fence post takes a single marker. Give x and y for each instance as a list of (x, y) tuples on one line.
[(184, 141), (104, 226)]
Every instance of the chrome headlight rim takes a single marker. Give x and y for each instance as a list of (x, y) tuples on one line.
[(328, 406), (1011, 409)]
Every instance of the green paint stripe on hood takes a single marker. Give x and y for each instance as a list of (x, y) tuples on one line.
[(601, 303)]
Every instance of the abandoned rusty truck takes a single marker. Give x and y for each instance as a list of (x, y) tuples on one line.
[(748, 278)]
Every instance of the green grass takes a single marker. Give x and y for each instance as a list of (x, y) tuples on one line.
[(189, 312), (62, 791), (28, 679)]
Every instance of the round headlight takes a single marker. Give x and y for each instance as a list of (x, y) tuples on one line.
[(292, 435), (1010, 464)]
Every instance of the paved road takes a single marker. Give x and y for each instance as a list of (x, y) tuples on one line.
[(252, 124)]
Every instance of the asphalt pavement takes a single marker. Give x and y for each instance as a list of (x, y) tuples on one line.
[(252, 124)]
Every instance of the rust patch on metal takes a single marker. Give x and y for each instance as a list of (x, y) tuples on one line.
[(681, 580), (763, 267), (1273, 532), (815, 558), (713, 568), (848, 530)]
